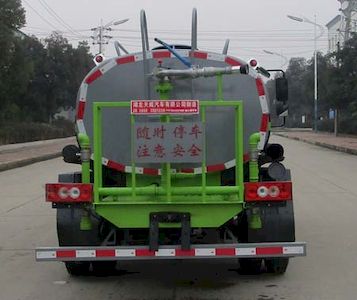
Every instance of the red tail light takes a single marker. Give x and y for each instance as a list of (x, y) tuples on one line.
[(69, 192), (268, 191)]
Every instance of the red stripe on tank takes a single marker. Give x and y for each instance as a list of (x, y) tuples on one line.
[(80, 110), (232, 62), (114, 165), (161, 54), (216, 168), (199, 54), (260, 87), (153, 172), (126, 60), (264, 123), (94, 76)]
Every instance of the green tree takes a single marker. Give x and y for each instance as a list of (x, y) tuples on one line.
[(12, 17)]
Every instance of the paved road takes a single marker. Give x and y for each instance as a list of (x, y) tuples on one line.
[(326, 209)]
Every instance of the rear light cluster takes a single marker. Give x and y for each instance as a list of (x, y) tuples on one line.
[(69, 192), (268, 191)]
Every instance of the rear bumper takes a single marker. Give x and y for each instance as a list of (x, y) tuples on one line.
[(256, 250)]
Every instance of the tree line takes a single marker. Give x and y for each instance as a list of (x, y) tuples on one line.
[(37, 78), (337, 89)]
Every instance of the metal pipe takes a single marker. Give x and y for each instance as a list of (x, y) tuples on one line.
[(194, 30), (144, 31), (119, 46), (225, 48), (203, 72), (84, 143), (155, 190), (253, 162), (145, 48)]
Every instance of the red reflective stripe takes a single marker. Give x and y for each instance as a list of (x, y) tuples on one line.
[(269, 250), (65, 253), (153, 172), (260, 86), (126, 60), (180, 252), (225, 251), (80, 110), (216, 168), (232, 61), (144, 252), (201, 55), (161, 54), (187, 170), (116, 166), (94, 76), (264, 123), (105, 253)]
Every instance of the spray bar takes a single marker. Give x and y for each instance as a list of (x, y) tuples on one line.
[(201, 72)]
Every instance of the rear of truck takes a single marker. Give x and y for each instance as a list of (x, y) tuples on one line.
[(187, 174)]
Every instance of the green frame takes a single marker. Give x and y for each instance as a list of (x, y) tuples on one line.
[(124, 206)]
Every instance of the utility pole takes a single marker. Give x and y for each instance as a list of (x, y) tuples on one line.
[(100, 37), (316, 37), (315, 77)]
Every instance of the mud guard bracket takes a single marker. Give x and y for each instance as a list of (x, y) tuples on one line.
[(170, 217)]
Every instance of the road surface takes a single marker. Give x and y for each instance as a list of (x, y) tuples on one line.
[(325, 189)]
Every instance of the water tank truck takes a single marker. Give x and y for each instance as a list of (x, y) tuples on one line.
[(173, 144)]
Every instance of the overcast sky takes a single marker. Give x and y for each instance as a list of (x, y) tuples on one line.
[(252, 25)]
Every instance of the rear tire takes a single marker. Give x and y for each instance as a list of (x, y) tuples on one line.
[(69, 233), (277, 226)]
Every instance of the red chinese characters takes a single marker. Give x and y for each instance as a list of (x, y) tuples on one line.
[(159, 151), (157, 142), (178, 151)]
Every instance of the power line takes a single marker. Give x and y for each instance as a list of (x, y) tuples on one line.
[(37, 13), (56, 16)]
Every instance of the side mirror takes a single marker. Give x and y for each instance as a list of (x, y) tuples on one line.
[(71, 154), (282, 89)]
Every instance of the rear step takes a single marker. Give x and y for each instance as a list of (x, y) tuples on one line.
[(255, 250)]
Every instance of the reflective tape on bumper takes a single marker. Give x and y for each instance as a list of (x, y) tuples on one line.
[(172, 252)]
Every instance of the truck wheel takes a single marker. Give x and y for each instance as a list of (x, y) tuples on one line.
[(278, 226), (69, 233)]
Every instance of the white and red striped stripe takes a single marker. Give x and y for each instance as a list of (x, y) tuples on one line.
[(264, 124), (155, 172), (172, 252)]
